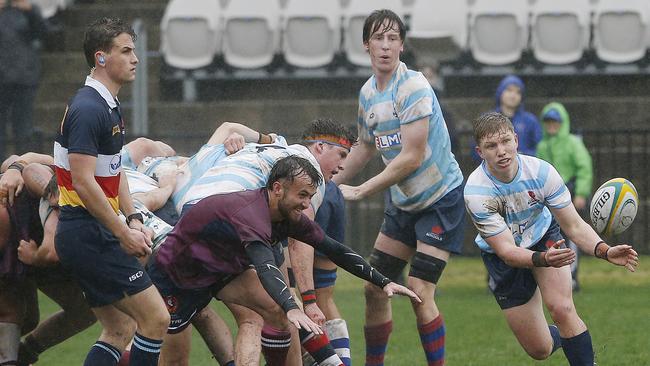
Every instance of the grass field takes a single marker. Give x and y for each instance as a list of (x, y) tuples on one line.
[(613, 303)]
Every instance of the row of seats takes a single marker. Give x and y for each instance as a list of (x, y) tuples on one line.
[(51, 7), (310, 33)]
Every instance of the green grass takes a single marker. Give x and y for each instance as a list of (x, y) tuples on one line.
[(612, 302)]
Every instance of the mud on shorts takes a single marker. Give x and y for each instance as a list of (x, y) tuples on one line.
[(442, 224)]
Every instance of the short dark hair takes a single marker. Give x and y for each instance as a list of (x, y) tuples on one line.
[(328, 127), (100, 34), (290, 167), (375, 20), (489, 124)]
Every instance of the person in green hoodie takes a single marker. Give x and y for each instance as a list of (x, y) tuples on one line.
[(568, 154)]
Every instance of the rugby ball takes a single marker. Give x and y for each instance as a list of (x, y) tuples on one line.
[(614, 206)]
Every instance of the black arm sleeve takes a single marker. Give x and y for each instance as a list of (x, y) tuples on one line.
[(270, 276), (352, 262)]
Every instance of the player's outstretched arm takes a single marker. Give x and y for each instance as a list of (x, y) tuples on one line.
[(354, 263), (504, 246), (276, 286), (588, 240), (621, 255)]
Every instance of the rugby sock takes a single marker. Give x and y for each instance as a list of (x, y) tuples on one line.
[(432, 336), (230, 363), (376, 342), (9, 343), (275, 345), (102, 354), (145, 351), (555, 334), (320, 349), (578, 349), (337, 330)]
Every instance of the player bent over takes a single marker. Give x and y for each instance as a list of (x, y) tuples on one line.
[(211, 251), (514, 201)]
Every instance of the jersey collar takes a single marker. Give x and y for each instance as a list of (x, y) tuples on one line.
[(102, 90)]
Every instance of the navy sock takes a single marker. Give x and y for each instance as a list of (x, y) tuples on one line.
[(555, 334), (578, 349), (145, 351), (102, 354), (230, 363)]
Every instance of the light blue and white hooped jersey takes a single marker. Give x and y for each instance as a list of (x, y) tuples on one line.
[(139, 182), (409, 98), (248, 169), (194, 168), (521, 206)]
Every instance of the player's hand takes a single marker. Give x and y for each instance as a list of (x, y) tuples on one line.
[(392, 288), (559, 256), (136, 243), (314, 313), (27, 251), (623, 255), (234, 143), (301, 321), (11, 184), (351, 193)]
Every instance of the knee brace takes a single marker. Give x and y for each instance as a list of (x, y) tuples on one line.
[(387, 264), (426, 267)]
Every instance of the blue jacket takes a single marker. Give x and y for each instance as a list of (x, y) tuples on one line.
[(527, 127)]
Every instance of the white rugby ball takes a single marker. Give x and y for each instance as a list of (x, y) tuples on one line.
[(614, 206)]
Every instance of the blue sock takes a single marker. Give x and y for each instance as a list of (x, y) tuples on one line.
[(102, 354), (555, 334), (145, 351), (230, 363), (578, 349)]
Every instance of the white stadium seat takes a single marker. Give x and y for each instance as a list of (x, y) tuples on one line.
[(559, 30), (438, 30), (49, 7), (621, 30), (498, 30), (354, 14), (190, 33), (251, 33), (312, 32)]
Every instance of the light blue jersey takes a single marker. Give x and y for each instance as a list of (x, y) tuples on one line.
[(409, 98), (520, 206), (247, 169)]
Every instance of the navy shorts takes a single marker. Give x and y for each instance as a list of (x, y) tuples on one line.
[(182, 304), (442, 224), (95, 259), (516, 286)]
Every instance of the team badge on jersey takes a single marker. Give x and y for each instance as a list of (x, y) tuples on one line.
[(172, 303), (116, 130)]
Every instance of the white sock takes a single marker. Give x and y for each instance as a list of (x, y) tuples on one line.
[(337, 331)]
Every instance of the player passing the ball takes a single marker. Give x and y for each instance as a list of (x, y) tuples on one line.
[(516, 202)]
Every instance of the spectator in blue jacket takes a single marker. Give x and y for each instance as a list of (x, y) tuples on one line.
[(510, 102)]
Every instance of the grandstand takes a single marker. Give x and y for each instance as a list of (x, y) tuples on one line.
[(241, 60)]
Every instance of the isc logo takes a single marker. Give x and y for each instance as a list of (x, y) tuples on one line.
[(135, 276)]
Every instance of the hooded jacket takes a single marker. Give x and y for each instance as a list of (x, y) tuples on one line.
[(567, 153), (525, 123)]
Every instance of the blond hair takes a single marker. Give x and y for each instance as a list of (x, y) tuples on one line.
[(489, 124)]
